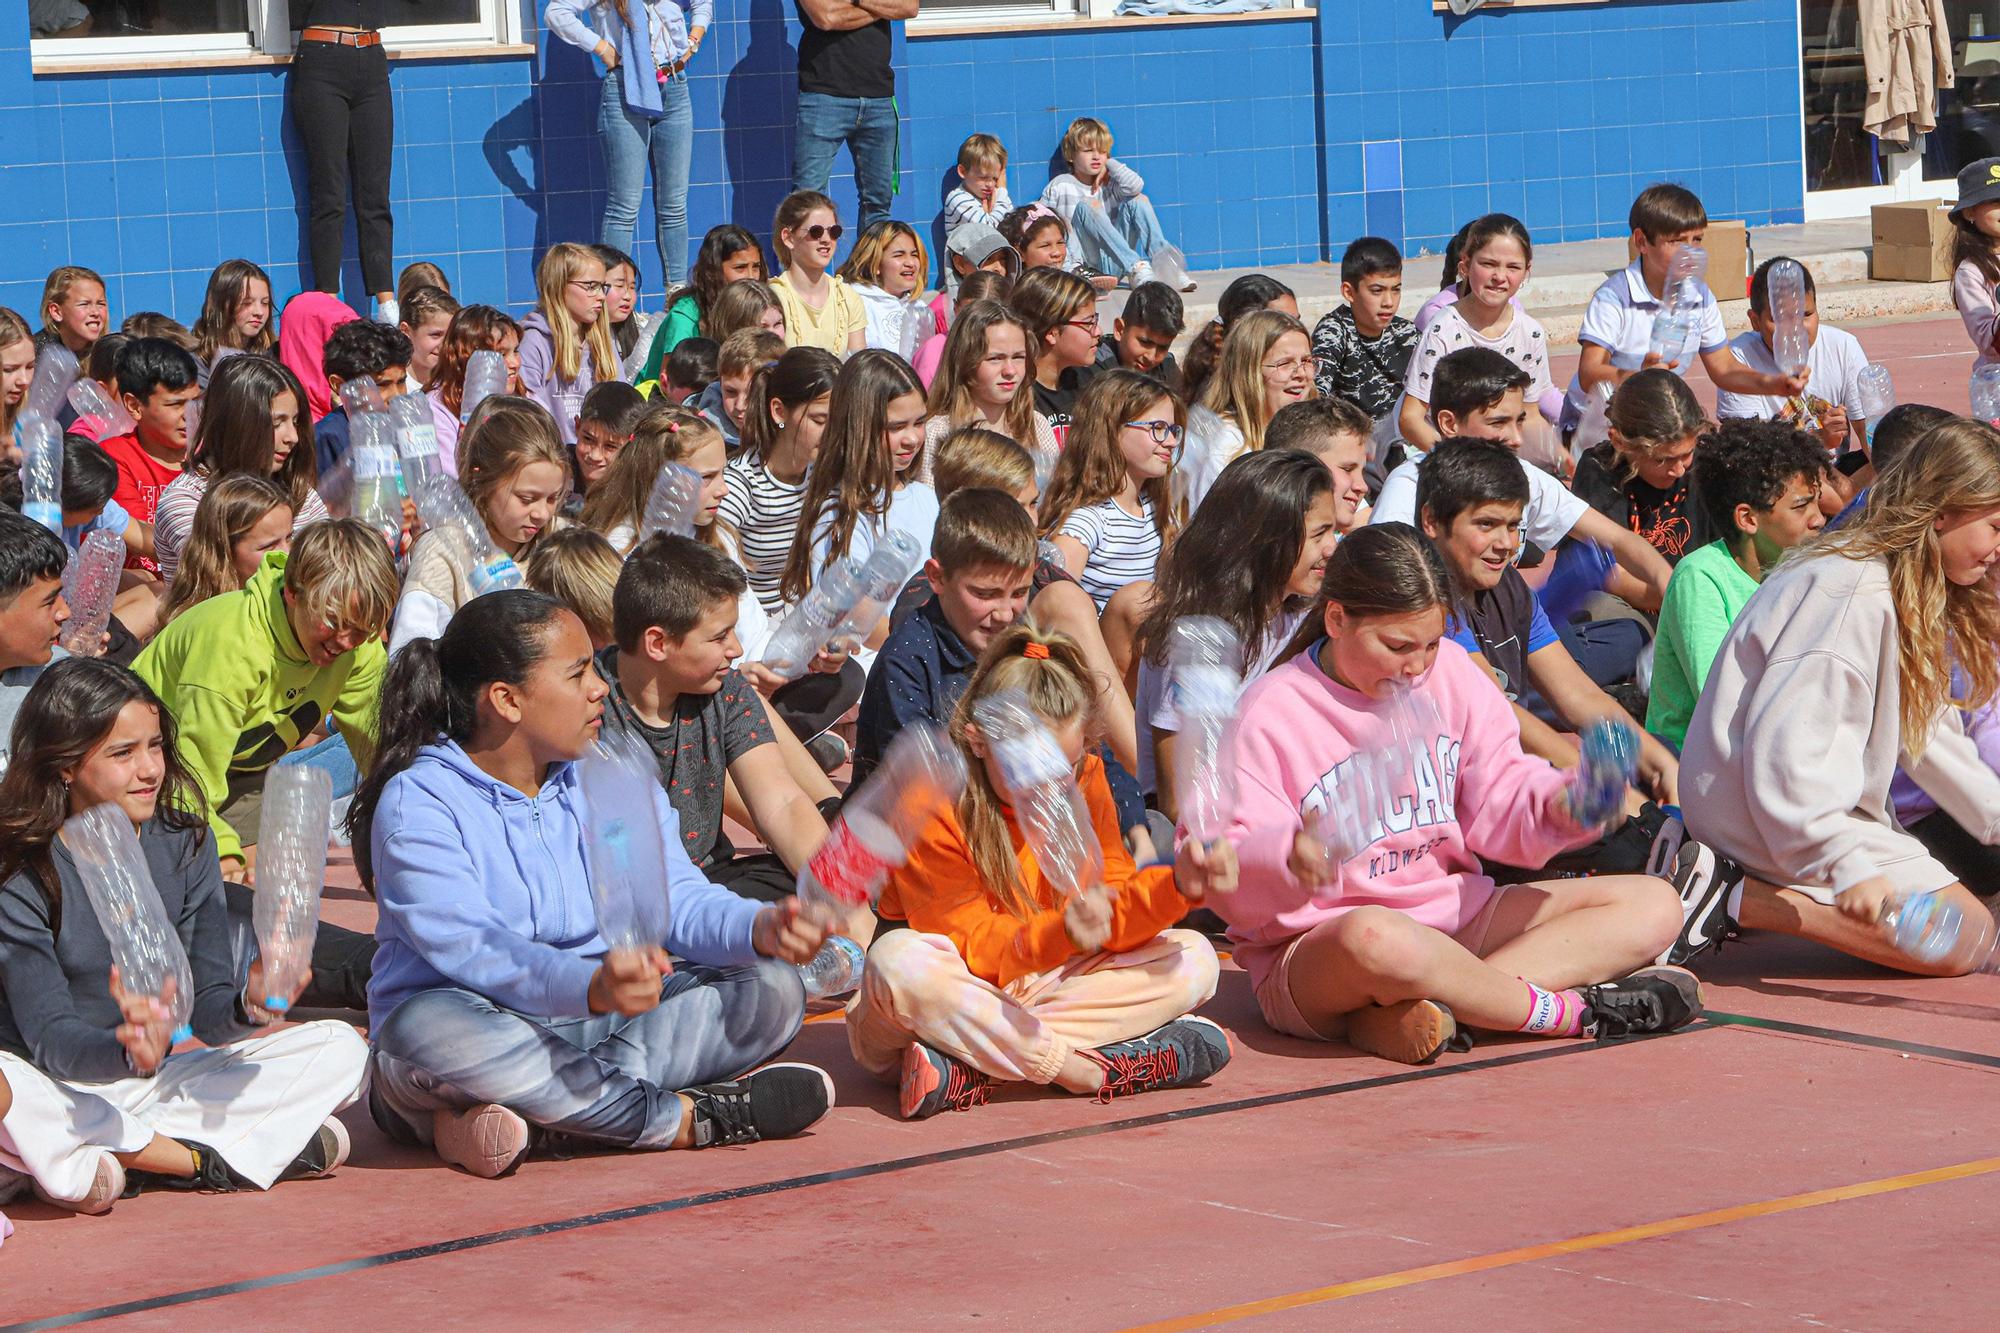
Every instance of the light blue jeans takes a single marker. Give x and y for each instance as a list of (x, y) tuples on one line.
[(332, 755), (606, 1079), (867, 125), (1113, 242), (630, 142)]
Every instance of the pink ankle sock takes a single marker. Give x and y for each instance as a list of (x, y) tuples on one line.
[(1553, 1013)]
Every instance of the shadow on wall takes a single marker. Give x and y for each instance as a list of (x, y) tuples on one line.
[(559, 187), (760, 98)]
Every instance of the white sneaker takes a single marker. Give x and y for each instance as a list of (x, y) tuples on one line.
[(1142, 272), (388, 312)]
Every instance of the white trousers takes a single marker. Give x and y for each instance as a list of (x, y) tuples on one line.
[(257, 1102)]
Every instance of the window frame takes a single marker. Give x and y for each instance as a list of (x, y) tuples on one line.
[(269, 38), (1000, 16)]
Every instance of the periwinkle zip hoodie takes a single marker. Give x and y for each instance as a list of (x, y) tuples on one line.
[(540, 381), (481, 887)]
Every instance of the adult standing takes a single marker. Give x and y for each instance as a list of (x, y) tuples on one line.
[(346, 121), (847, 91), (644, 114)]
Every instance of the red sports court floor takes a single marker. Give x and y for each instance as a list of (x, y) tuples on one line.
[(1815, 1153)]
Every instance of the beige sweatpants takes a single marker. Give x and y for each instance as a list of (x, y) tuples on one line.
[(917, 988)]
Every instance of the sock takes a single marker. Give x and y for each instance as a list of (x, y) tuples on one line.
[(1557, 1013), (1734, 907)]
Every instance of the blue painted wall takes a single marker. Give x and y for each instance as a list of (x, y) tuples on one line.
[(1271, 142)]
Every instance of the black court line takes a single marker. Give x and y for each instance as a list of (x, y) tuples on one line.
[(789, 1183), (1853, 1038)]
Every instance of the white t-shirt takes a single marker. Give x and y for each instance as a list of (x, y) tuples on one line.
[(1553, 509), (1835, 360), (1212, 445), (1521, 342), (912, 510), (765, 514), (1119, 547), (1619, 319)]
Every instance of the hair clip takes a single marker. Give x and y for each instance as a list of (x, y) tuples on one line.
[(1038, 210), (673, 428), (1038, 651)]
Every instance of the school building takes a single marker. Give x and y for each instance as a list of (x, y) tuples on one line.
[(161, 143)]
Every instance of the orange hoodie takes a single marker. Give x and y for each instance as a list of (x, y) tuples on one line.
[(939, 892)]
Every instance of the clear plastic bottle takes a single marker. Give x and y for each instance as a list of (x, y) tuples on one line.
[(98, 414), (1594, 426), (627, 859), (1206, 660), (55, 371), (1926, 926), (416, 440), (835, 970), (90, 585), (884, 574), (291, 870), (377, 497), (361, 396), (808, 626), (1876, 393), (144, 947), (918, 327), (451, 517), (41, 471), (920, 773), (675, 499), (1170, 266), (1604, 773), (1680, 306), (1986, 394), (485, 375), (1369, 783), (1040, 785), (1790, 344)]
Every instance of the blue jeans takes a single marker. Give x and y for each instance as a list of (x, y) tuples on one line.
[(867, 125), (605, 1079), (630, 140), (1115, 242), (332, 755)]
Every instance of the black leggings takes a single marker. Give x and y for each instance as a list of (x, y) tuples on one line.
[(1976, 865), (346, 120)]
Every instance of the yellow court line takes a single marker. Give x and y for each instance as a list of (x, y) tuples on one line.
[(1409, 1277)]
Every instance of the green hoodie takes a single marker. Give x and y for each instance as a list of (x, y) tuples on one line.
[(243, 693)]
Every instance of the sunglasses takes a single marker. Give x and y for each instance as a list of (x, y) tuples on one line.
[(820, 232)]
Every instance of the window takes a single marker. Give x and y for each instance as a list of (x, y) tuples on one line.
[(938, 17), (96, 33)]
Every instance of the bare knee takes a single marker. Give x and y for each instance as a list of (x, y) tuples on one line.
[(1656, 912), (1386, 945)]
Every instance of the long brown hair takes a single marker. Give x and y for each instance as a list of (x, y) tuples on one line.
[(663, 434), (216, 327), (1092, 468), (1969, 244), (740, 305), (475, 328), (229, 508), (506, 434), (234, 434), (14, 329), (964, 348), (1058, 684), (1385, 569), (1651, 411), (67, 713), (1951, 471)]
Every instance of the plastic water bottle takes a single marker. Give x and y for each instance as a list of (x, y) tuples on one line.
[(98, 414), (1597, 785), (920, 773), (451, 516), (377, 498), (1205, 659), (675, 499), (55, 371), (884, 574), (1680, 306), (1038, 782), (808, 627), (90, 585), (1790, 345), (485, 375), (1342, 820), (129, 911), (918, 326), (361, 396), (1926, 926), (1170, 266), (416, 440), (1876, 394), (291, 870), (1986, 394), (628, 859), (41, 471), (1594, 426)]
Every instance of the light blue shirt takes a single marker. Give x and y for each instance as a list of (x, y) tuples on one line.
[(112, 519), (583, 23)]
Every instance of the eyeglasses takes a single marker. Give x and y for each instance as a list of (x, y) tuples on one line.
[(1089, 324), (1161, 431), (1287, 366), (820, 232), (594, 288)]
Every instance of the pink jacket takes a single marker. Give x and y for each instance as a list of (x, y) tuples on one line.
[(1297, 731)]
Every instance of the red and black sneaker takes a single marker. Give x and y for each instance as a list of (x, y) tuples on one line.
[(933, 1082), (1185, 1051)]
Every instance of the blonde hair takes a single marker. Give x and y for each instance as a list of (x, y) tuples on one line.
[(506, 434), (553, 276), (1236, 390), (339, 573), (982, 150), (1058, 686), (977, 456), (964, 348), (740, 305), (1085, 132), (864, 261), (663, 434), (1953, 470), (229, 508), (55, 289), (1091, 468), (13, 329), (578, 568), (749, 349)]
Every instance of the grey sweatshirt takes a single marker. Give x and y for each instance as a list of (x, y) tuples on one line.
[(1796, 738)]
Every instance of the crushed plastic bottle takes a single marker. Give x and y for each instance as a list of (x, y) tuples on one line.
[(1368, 784), (98, 414), (1927, 926), (1038, 782), (627, 858), (291, 871), (416, 440), (361, 396), (1790, 345), (1170, 266), (55, 371), (1680, 306), (1205, 659), (885, 573), (920, 773), (1876, 394), (485, 375), (451, 517), (1986, 394), (918, 327), (1594, 426), (377, 494), (147, 952), (90, 585), (673, 504), (1604, 773), (41, 471), (808, 627)]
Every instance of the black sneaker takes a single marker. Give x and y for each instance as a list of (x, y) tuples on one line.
[(828, 750), (1185, 1051), (1653, 999), (1704, 881), (933, 1082), (322, 1155), (774, 1102), (211, 1174)]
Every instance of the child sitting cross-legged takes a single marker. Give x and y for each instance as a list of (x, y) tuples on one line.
[(998, 979)]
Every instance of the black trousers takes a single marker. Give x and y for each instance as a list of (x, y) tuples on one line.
[(814, 702), (1976, 865), (342, 959), (341, 105)]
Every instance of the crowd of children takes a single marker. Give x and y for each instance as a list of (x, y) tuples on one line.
[(1430, 616)]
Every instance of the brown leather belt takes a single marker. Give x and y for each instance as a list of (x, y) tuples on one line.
[(341, 36)]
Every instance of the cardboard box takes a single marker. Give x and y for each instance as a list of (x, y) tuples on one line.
[(1912, 241), (1728, 246)]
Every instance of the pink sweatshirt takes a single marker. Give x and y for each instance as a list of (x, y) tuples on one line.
[(1298, 730)]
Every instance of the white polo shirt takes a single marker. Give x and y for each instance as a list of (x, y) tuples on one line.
[(1835, 360), (1619, 319), (1552, 511)]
